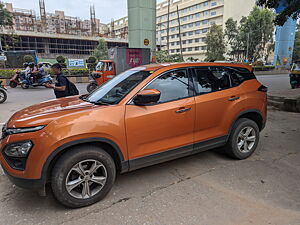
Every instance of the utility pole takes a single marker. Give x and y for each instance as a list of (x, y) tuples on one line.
[(168, 28), (179, 30)]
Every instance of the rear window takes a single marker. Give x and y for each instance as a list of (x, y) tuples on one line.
[(239, 75)]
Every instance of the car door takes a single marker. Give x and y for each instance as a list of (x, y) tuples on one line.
[(166, 125), (216, 105)]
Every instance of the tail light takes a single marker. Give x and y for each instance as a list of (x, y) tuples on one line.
[(263, 88)]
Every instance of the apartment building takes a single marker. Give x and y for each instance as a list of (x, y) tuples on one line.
[(195, 18)]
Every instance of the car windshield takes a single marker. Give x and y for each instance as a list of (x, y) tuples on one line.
[(100, 66), (117, 88)]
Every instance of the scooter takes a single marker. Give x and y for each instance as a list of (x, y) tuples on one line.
[(28, 80), (3, 95)]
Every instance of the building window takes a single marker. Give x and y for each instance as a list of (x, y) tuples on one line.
[(196, 48), (213, 13), (206, 13), (205, 3), (197, 40), (198, 32), (191, 33), (172, 43), (197, 15), (190, 49), (191, 24), (172, 50), (177, 50), (190, 41), (184, 34), (184, 42), (184, 50), (178, 42), (205, 30), (205, 22), (173, 36), (213, 3)]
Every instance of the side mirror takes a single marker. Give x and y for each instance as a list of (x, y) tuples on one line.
[(147, 97)]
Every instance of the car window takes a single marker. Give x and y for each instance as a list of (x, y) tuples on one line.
[(211, 79), (239, 75), (173, 85)]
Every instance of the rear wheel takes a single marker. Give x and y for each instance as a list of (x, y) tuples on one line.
[(3, 96), (13, 84), (243, 139), (83, 176), (91, 87), (25, 86)]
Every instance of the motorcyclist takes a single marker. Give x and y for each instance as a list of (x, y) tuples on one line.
[(296, 65), (40, 72), (33, 72)]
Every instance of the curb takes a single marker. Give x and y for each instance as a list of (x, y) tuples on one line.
[(285, 104)]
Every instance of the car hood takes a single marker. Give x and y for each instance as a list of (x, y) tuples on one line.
[(45, 112)]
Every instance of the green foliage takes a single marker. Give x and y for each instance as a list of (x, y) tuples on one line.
[(292, 9), (6, 18), (163, 56), (7, 73), (91, 63), (192, 59), (101, 51), (254, 33), (215, 43), (28, 59), (296, 53), (62, 61)]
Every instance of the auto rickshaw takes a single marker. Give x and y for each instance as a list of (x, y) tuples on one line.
[(105, 70), (295, 75)]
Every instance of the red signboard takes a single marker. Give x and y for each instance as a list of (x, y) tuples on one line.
[(134, 57)]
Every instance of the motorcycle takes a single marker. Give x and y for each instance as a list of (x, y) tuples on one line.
[(3, 95), (20, 78), (295, 75)]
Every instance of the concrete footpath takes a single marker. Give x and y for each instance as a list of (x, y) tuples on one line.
[(287, 100)]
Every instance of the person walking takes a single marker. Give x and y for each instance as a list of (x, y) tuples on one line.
[(61, 83)]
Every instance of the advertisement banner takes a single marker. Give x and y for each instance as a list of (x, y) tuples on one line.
[(134, 57), (76, 63)]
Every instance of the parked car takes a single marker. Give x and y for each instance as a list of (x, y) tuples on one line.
[(144, 116)]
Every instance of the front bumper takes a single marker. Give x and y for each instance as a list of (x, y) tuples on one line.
[(31, 184)]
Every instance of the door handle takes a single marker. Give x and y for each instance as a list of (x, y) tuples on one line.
[(233, 98), (183, 110)]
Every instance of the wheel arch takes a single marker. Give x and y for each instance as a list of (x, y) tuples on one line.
[(109, 146), (253, 115)]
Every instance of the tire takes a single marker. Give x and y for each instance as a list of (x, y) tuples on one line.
[(25, 86), (293, 86), (3, 96), (64, 170), (91, 87), (13, 84), (236, 147)]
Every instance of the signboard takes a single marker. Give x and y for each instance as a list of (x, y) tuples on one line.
[(3, 58), (134, 57), (146, 42), (76, 62)]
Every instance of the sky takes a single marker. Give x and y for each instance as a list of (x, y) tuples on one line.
[(105, 9)]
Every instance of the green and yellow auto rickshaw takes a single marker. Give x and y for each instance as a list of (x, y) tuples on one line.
[(295, 75)]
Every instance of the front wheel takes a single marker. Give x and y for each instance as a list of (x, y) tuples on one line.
[(243, 139), (91, 87), (3, 96), (83, 176)]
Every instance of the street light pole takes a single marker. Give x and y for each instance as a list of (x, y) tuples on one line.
[(248, 40), (168, 29)]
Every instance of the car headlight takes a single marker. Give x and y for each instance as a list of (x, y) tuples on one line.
[(19, 149), (10, 131)]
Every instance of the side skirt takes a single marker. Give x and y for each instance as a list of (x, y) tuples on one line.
[(176, 153)]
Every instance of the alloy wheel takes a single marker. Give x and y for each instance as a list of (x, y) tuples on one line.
[(86, 179), (246, 139)]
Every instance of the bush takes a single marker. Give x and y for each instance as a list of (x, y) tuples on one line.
[(91, 59), (258, 63), (28, 59), (60, 59), (76, 72), (263, 68), (7, 73)]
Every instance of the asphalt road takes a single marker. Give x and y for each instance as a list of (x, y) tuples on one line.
[(275, 83), (207, 188)]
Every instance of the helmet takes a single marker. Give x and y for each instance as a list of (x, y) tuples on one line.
[(25, 65), (31, 64)]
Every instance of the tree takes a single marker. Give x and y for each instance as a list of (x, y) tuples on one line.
[(28, 59), (296, 53), (6, 18), (62, 61), (101, 51), (192, 59), (215, 43), (292, 9), (232, 35), (91, 63), (163, 56), (256, 31)]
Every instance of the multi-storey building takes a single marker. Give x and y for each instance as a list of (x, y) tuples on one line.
[(195, 19)]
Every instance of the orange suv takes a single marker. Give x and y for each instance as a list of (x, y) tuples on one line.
[(144, 116)]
